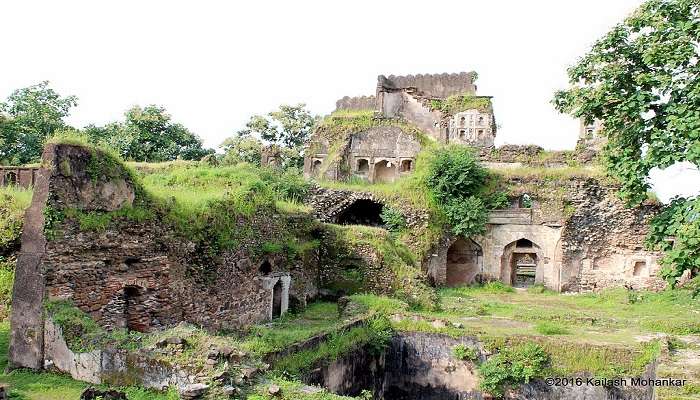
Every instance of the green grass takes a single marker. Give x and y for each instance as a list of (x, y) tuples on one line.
[(375, 334), (275, 336), (292, 390), (551, 328), (13, 201)]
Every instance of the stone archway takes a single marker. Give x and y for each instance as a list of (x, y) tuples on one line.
[(361, 212), (384, 171), (519, 264), (463, 262)]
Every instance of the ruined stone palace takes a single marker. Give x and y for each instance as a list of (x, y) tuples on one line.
[(566, 231), (568, 234)]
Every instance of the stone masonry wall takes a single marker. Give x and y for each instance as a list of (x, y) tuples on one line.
[(358, 103), (432, 85), (140, 275), (602, 244)]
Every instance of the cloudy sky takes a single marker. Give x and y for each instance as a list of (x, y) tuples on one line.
[(212, 64)]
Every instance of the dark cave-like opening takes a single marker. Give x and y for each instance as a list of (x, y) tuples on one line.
[(362, 212)]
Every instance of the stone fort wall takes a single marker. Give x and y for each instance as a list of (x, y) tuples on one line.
[(358, 103), (431, 85)]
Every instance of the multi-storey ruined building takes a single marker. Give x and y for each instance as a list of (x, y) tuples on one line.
[(569, 232), (443, 106)]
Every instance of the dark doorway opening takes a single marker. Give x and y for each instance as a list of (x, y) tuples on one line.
[(462, 262), (277, 299), (362, 212), (265, 268), (10, 179), (134, 311)]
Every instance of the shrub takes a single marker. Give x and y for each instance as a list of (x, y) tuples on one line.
[(393, 219), (454, 174), (512, 366), (456, 182), (465, 353)]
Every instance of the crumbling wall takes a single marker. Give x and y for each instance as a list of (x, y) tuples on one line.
[(432, 85), (376, 146), (20, 176), (140, 275), (358, 103), (603, 243), (583, 237)]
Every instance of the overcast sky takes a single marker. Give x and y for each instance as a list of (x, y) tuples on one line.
[(212, 64)]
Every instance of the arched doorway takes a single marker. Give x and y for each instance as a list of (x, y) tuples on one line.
[(463, 262), (384, 171), (135, 313), (277, 299), (519, 263), (362, 212)]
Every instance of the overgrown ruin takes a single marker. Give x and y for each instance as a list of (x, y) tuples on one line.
[(94, 240)]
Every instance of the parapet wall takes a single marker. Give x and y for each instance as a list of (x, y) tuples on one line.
[(356, 103), (432, 85)]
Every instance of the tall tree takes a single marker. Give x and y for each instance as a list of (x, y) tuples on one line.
[(29, 116), (149, 134), (642, 80), (289, 127)]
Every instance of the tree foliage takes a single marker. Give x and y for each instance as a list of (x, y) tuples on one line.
[(512, 366), (149, 134), (239, 148), (288, 127), (456, 180), (642, 80), (680, 220), (27, 118)]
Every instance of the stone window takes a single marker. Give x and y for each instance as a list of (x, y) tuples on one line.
[(362, 165), (525, 201), (481, 120), (640, 268), (406, 165), (316, 165), (461, 133), (384, 171), (462, 121)]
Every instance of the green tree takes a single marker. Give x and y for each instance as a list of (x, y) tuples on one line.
[(288, 127), (157, 138), (27, 118), (242, 148), (642, 81), (149, 134)]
